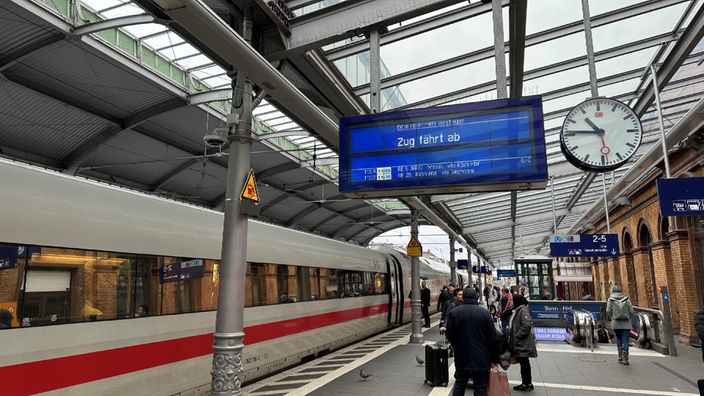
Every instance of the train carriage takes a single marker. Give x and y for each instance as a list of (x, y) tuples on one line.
[(83, 262)]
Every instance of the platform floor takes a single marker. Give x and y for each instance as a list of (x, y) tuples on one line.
[(559, 370)]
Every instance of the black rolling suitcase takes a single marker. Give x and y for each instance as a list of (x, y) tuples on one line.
[(436, 369)]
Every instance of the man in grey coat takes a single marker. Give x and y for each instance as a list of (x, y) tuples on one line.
[(620, 310)]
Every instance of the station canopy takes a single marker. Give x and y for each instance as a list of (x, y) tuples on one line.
[(125, 91)]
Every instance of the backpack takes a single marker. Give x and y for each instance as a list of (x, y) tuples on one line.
[(619, 309)]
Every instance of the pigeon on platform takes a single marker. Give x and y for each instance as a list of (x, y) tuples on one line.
[(364, 374), (420, 361)]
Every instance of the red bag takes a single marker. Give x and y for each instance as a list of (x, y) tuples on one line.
[(498, 383)]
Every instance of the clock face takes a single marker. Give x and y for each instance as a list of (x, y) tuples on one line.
[(600, 134)]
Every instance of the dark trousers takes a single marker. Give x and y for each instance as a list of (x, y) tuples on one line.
[(426, 315), (480, 379), (526, 375)]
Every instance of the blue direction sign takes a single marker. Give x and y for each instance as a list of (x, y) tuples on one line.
[(462, 264), (681, 197), (505, 273), (584, 245)]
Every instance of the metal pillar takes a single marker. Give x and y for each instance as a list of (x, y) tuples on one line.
[(453, 263), (229, 322), (374, 72), (665, 158), (591, 60), (416, 316), (667, 316), (499, 55)]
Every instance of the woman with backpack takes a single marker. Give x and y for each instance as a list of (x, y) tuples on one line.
[(620, 310)]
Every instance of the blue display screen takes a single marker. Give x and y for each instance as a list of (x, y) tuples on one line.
[(483, 146)]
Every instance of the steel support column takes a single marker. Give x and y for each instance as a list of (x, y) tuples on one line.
[(228, 340), (416, 316)]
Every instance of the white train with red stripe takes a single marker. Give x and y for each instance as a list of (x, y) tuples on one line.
[(167, 354)]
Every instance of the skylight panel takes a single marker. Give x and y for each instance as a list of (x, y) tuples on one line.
[(636, 28), (439, 44)]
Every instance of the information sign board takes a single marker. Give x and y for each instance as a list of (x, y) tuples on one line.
[(495, 145), (462, 264), (584, 245), (191, 269), (8, 256), (549, 333), (505, 273), (681, 197), (560, 311)]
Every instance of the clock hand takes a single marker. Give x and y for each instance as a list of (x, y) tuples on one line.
[(591, 124), (605, 150), (571, 132)]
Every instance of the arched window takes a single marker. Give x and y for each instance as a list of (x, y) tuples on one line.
[(629, 281)]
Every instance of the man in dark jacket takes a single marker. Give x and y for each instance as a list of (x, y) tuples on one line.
[(472, 334), (425, 303)]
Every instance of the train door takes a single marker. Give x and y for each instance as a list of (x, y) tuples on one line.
[(396, 291)]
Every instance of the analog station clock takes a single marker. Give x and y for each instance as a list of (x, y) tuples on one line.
[(600, 134)]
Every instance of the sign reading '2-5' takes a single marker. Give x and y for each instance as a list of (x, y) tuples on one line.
[(584, 245)]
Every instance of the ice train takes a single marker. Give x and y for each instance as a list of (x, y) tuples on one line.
[(115, 292)]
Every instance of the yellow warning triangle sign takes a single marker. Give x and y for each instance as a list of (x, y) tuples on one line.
[(250, 188), (414, 249)]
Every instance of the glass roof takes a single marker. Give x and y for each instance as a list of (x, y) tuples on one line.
[(446, 57)]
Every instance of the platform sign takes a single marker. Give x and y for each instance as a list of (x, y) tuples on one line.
[(505, 273), (546, 311), (462, 264), (414, 249), (495, 145), (8, 256), (560, 311), (584, 245), (190, 269), (681, 197)]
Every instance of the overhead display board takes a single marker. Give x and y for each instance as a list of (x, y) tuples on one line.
[(584, 245), (496, 145)]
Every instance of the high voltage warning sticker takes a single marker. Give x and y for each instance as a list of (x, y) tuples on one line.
[(413, 249), (250, 188)]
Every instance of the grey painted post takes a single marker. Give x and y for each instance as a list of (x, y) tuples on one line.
[(667, 321), (416, 316), (453, 263), (228, 339)]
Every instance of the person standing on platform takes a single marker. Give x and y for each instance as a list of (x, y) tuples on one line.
[(522, 341), (442, 298), (505, 309), (456, 301), (448, 302), (699, 326), (5, 319), (620, 310), (425, 304), (472, 335)]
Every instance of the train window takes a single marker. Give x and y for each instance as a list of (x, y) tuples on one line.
[(303, 286), (329, 283), (72, 285), (314, 283)]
